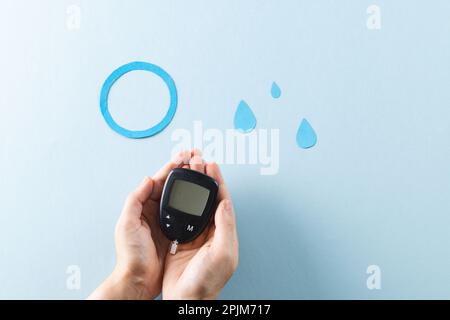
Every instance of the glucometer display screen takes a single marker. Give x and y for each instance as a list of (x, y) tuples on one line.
[(188, 197)]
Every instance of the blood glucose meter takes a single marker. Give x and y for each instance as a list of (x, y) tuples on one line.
[(187, 203)]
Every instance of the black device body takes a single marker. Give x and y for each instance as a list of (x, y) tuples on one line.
[(174, 221)]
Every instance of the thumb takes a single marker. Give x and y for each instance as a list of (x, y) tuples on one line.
[(225, 235), (136, 199)]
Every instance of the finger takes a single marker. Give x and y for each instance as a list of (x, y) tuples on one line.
[(196, 152), (197, 242), (225, 240), (212, 170), (136, 199), (180, 159), (196, 163)]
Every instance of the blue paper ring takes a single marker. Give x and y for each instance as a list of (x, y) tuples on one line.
[(132, 66)]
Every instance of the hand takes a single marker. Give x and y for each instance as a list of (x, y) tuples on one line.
[(200, 269), (140, 245)]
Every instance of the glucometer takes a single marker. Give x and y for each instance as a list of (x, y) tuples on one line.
[(187, 203)]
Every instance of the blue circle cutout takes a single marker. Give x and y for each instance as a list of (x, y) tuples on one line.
[(119, 72)]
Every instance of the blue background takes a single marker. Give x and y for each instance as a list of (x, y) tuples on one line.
[(374, 190)]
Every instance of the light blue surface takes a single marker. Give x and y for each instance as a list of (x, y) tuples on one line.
[(244, 118), (306, 136), (138, 66), (375, 190)]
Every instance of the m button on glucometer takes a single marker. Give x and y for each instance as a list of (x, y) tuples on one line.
[(190, 228)]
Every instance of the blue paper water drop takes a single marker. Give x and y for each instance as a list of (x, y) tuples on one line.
[(306, 136), (244, 119), (275, 90)]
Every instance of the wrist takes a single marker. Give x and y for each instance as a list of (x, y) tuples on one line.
[(123, 285), (132, 285), (193, 293)]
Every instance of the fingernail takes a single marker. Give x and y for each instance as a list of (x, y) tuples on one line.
[(177, 158), (227, 205), (186, 157), (196, 160)]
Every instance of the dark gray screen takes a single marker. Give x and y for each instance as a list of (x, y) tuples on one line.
[(188, 197)]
